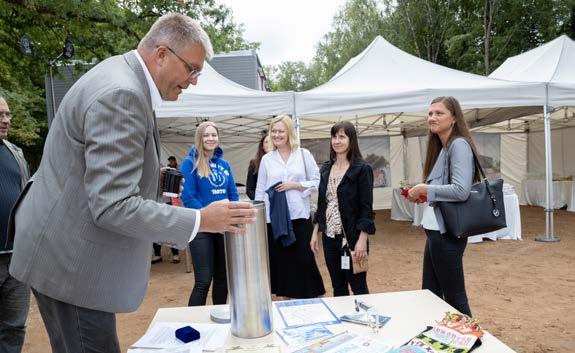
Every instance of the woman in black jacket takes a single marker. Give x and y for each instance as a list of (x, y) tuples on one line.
[(252, 179), (345, 211)]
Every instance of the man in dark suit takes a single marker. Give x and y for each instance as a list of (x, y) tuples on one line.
[(14, 295), (85, 222)]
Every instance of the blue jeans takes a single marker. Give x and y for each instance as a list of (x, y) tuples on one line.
[(443, 269), (209, 260), (14, 305)]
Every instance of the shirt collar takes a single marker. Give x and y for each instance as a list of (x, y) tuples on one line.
[(154, 92)]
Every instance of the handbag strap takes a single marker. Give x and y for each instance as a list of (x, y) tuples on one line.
[(481, 172), (303, 160)]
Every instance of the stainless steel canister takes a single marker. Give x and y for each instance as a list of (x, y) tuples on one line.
[(248, 270)]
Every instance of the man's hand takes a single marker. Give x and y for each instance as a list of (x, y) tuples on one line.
[(225, 216)]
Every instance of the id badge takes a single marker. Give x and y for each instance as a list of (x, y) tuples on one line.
[(345, 262)]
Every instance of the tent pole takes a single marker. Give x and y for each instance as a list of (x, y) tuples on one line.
[(295, 119), (405, 171), (549, 231)]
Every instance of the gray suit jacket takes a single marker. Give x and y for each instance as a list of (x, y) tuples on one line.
[(457, 157), (85, 223)]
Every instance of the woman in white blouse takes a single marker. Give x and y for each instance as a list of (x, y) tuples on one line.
[(291, 170)]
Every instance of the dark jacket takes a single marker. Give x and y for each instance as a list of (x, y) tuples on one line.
[(251, 181), (355, 198), (279, 215)]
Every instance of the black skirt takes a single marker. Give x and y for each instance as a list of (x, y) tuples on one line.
[(293, 270)]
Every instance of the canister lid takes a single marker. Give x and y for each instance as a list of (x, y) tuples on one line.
[(221, 314)]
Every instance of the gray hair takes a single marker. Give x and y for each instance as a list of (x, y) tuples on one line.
[(177, 31)]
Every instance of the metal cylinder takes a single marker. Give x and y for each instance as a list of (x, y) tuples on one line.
[(247, 266)]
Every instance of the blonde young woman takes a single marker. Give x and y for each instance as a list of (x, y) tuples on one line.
[(292, 170), (208, 178)]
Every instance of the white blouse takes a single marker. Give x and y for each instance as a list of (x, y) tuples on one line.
[(428, 220), (273, 169)]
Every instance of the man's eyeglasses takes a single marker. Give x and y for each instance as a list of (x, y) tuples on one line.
[(6, 115), (193, 72)]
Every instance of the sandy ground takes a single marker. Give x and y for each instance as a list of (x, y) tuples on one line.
[(521, 291)]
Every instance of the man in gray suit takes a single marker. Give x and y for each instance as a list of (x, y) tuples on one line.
[(84, 224)]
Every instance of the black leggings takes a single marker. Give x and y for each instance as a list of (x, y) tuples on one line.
[(209, 259), (443, 269)]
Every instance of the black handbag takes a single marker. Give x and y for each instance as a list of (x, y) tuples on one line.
[(482, 212)]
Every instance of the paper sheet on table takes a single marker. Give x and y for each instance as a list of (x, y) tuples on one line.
[(163, 335), (188, 348), (347, 342), (306, 312), (269, 348)]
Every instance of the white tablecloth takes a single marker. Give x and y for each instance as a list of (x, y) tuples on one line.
[(563, 193), (403, 210), (411, 312)]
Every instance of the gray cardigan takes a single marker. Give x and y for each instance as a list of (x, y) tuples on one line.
[(440, 188)]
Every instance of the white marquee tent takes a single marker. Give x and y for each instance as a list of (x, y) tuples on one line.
[(383, 91), (553, 65)]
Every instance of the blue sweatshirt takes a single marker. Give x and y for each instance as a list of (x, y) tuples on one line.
[(201, 191)]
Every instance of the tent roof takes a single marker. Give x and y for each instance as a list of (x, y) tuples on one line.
[(216, 96), (385, 79), (552, 63)]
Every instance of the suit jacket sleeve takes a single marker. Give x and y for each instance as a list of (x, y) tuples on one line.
[(461, 166), (115, 129)]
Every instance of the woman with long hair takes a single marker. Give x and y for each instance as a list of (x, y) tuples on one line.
[(289, 173), (344, 210), (208, 178), (252, 179), (448, 174)]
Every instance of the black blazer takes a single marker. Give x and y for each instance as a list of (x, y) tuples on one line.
[(251, 181), (355, 198)]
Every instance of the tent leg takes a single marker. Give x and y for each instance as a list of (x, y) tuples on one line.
[(549, 236)]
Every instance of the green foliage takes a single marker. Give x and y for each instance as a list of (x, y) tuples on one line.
[(98, 29), (448, 32), (290, 76)]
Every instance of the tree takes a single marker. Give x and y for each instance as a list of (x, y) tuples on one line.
[(421, 27), (291, 76), (98, 29)]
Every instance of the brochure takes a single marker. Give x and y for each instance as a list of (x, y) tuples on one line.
[(455, 333), (303, 334), (346, 342), (295, 313)]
